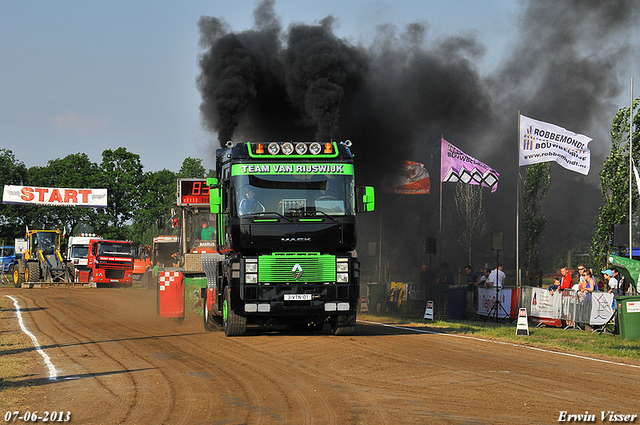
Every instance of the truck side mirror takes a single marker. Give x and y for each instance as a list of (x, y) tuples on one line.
[(369, 199), (215, 199), (366, 194)]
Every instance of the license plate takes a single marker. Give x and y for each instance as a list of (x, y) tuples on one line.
[(297, 297)]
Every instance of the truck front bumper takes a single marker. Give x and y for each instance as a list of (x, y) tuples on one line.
[(295, 300)]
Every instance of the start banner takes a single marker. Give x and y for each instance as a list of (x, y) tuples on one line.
[(31, 195)]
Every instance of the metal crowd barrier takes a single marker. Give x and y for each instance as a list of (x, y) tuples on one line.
[(575, 308)]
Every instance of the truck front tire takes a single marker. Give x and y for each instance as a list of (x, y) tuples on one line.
[(233, 324), (211, 322), (344, 325), (18, 278), (32, 274)]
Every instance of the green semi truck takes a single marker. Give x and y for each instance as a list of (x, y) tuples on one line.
[(285, 237)]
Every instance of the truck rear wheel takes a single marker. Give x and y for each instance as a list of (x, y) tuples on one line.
[(211, 322), (344, 325), (32, 274), (233, 324)]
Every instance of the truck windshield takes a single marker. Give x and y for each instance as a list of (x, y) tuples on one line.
[(125, 249), (294, 195), (80, 251)]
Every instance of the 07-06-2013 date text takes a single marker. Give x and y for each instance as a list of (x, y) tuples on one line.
[(53, 416)]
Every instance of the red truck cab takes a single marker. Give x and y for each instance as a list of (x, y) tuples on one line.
[(109, 262)]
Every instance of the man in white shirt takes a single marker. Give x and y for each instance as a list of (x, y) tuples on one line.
[(496, 273)]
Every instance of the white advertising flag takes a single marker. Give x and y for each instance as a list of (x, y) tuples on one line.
[(544, 142)]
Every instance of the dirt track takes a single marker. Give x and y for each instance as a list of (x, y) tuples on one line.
[(118, 363)]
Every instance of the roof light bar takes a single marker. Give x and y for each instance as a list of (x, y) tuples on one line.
[(274, 148), (287, 148), (315, 148), (301, 148)]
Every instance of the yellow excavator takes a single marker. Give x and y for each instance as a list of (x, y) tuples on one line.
[(42, 261)]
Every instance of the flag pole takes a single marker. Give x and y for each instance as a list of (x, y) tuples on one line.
[(380, 244), (518, 278), (630, 172), (440, 231)]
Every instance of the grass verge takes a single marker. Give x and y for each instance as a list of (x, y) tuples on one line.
[(572, 341)]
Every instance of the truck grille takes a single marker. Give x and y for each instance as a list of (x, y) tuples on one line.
[(114, 274), (278, 268)]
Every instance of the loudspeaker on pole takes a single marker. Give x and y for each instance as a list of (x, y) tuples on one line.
[(496, 241), (621, 235), (430, 245)]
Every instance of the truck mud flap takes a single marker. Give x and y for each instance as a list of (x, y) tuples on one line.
[(210, 266)]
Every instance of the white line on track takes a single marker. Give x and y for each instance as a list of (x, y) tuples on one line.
[(53, 374), (498, 342)]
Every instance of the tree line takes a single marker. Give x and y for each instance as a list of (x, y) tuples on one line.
[(139, 206)]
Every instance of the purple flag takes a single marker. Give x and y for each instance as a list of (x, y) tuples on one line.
[(457, 166)]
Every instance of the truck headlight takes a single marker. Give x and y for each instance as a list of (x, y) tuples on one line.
[(251, 267), (342, 269), (301, 148), (251, 278), (273, 148), (330, 307), (315, 148), (287, 148)]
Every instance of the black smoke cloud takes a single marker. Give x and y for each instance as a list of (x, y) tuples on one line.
[(397, 96), (305, 82), (319, 67)]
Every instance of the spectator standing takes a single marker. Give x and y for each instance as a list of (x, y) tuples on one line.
[(447, 275), (581, 273), (587, 284), (623, 286), (482, 280), (427, 276), (611, 281), (565, 283), (472, 278), (496, 277), (555, 286), (472, 284)]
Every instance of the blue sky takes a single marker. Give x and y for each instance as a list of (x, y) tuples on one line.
[(78, 76)]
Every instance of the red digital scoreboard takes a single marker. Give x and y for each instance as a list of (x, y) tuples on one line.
[(193, 192)]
